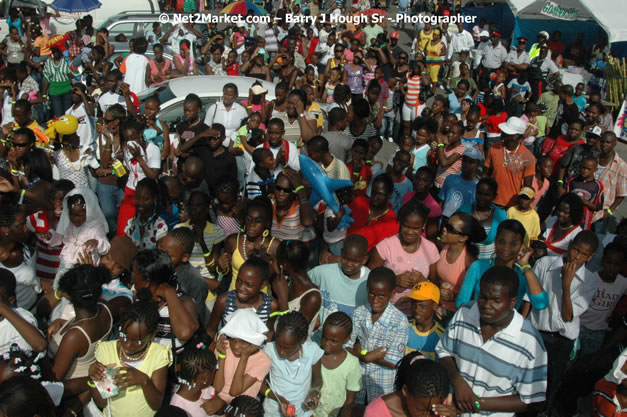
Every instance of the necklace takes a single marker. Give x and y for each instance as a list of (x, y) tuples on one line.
[(372, 218), (263, 239), (475, 214), (563, 228), (75, 322), (150, 219), (130, 358), (506, 155), (297, 368), (71, 163)]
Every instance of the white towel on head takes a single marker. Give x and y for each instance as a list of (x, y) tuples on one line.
[(246, 325)]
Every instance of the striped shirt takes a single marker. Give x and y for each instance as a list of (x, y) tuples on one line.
[(289, 227), (48, 260), (452, 169), (412, 98), (512, 362)]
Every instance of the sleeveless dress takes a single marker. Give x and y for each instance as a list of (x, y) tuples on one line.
[(294, 305), (80, 366), (237, 260), (263, 312), (452, 274)]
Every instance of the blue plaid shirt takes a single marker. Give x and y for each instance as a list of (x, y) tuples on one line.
[(390, 330)]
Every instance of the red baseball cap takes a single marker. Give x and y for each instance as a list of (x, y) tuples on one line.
[(395, 35)]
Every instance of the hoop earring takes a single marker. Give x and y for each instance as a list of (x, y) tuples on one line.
[(243, 229), (265, 233)]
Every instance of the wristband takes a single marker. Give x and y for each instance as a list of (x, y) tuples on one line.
[(223, 272), (364, 352), (221, 355), (441, 145), (609, 211), (523, 268), (560, 182), (21, 200), (249, 107), (213, 261), (279, 313), (206, 254), (91, 384), (268, 391), (297, 189), (56, 294), (478, 405)]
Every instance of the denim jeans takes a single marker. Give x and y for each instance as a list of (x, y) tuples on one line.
[(60, 104), (387, 127), (600, 227), (109, 197)]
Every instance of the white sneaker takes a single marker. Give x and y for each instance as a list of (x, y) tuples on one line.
[(391, 139)]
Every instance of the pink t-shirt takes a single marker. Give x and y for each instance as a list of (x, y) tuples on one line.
[(193, 408), (399, 261), (434, 208), (258, 366), (540, 191), (377, 408)]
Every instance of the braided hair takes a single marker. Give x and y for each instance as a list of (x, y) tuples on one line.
[(295, 253), (141, 312), (227, 185), (8, 214), (185, 237), (244, 406), (340, 319), (294, 323), (422, 378), (194, 359), (155, 266), (83, 284)]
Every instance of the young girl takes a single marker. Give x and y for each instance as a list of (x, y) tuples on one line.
[(300, 294), (82, 228), (242, 365), (253, 276), (361, 173), (72, 161), (296, 374), (48, 256), (425, 129), (421, 384), (184, 62), (156, 132), (449, 155), (544, 169), (335, 75), (354, 75), (562, 228), (147, 226), (458, 236), (196, 369), (244, 406), (341, 373), (498, 86), (141, 365), (509, 252), (472, 135)]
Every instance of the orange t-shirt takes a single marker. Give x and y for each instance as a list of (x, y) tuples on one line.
[(42, 43), (509, 169)]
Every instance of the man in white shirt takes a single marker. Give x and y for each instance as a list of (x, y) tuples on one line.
[(326, 49), (570, 287), (285, 153), (493, 57), (460, 41), (136, 67), (518, 59), (227, 112)]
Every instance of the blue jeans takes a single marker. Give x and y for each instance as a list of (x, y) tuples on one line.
[(60, 104), (600, 227), (387, 127), (109, 197)]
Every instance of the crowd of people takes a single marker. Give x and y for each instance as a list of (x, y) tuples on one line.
[(465, 266)]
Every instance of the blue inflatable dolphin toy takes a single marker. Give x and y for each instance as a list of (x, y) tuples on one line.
[(323, 187)]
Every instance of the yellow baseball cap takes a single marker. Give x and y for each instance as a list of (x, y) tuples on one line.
[(528, 192), (425, 290)]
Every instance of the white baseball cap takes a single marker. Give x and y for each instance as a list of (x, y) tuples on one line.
[(513, 126)]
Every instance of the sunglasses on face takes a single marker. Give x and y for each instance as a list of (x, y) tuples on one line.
[(285, 190), (450, 229), (19, 145)]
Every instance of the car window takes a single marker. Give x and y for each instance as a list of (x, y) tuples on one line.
[(174, 115), (127, 28)]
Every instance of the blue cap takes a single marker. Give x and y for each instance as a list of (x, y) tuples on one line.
[(473, 153)]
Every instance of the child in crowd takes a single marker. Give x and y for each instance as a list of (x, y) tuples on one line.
[(425, 130), (459, 189), (580, 98), (147, 226), (156, 132), (343, 284), (136, 358), (589, 189), (242, 366), (402, 184), (244, 406), (341, 374), (544, 168), (420, 384), (228, 205), (571, 162), (424, 330), (380, 336), (260, 181), (196, 367), (42, 221), (527, 216), (519, 90), (335, 75), (612, 285), (361, 173), (82, 227), (449, 154), (296, 372), (473, 135), (253, 276)]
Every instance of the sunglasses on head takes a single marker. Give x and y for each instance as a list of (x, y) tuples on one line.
[(450, 229), (285, 190)]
